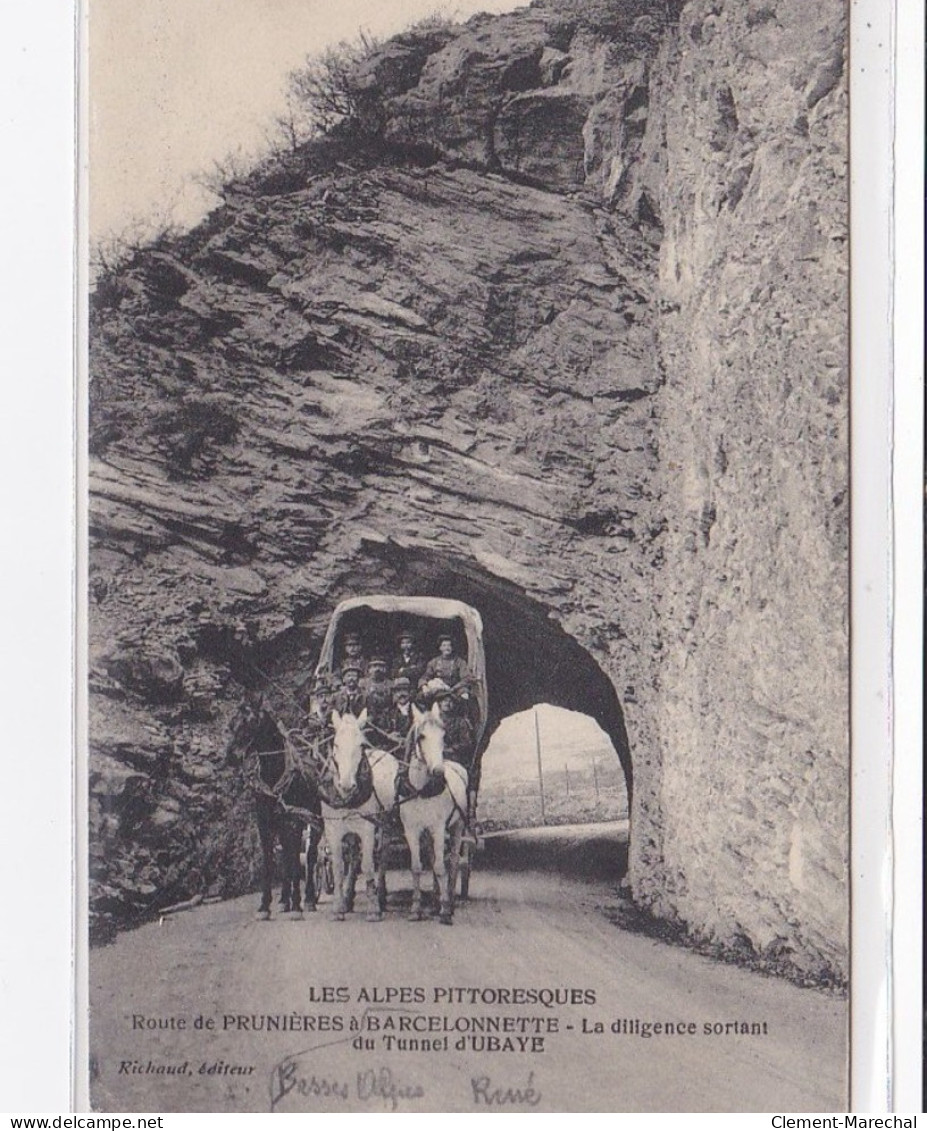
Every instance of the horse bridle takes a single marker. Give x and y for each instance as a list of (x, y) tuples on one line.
[(416, 748), (324, 760), (293, 757)]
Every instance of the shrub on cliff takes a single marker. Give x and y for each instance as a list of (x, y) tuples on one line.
[(114, 252), (331, 93)]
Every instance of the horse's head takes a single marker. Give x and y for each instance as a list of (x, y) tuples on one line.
[(426, 745), (347, 749), (245, 724)]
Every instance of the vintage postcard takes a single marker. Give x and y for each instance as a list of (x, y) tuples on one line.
[(467, 556)]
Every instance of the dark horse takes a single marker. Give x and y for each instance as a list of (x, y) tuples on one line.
[(286, 799)]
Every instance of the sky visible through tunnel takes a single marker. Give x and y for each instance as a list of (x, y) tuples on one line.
[(582, 777), (179, 85)]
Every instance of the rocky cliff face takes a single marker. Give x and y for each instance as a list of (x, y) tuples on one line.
[(563, 335), (753, 472)]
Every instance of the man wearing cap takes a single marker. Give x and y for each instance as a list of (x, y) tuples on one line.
[(378, 697), (320, 705), (309, 737), (400, 717), (453, 670), (353, 653), (322, 682), (409, 663), (351, 699), (458, 731)]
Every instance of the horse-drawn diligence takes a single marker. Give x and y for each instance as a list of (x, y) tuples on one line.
[(430, 717), (397, 712)]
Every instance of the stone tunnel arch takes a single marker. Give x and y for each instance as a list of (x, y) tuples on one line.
[(530, 658)]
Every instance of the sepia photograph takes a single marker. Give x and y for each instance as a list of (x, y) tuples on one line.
[(467, 561)]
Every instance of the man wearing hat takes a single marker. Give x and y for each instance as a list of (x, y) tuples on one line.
[(400, 717), (315, 726), (320, 703), (458, 730), (353, 653), (378, 697), (409, 663), (447, 666), (351, 699)]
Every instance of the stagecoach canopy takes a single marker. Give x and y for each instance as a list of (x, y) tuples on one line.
[(357, 610)]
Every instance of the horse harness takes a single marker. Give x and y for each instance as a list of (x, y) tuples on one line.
[(363, 787), (435, 785), (277, 791), (360, 793)]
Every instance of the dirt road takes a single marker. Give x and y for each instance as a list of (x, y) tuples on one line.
[(214, 1011)]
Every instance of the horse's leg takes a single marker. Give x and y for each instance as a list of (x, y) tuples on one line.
[(280, 826), (439, 836), (285, 887), (435, 886), (266, 833), (334, 834), (384, 783), (367, 839), (454, 840), (312, 857), (380, 850), (352, 867), (413, 833), (290, 837)]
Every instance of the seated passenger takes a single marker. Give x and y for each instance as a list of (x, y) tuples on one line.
[(400, 718), (447, 666), (409, 662), (458, 731), (320, 704), (322, 678), (378, 700), (353, 652), (316, 722), (351, 698)]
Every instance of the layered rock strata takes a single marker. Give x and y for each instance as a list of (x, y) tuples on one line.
[(560, 332)]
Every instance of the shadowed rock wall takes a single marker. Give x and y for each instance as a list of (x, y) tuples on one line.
[(539, 341)]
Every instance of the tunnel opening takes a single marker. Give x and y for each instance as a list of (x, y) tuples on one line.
[(530, 658), (550, 766), (553, 797)]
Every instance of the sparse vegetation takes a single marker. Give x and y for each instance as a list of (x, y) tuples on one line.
[(115, 251), (329, 91), (225, 174), (326, 97), (437, 21)]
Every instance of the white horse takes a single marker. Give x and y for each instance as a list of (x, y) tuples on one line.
[(357, 790), (442, 810)]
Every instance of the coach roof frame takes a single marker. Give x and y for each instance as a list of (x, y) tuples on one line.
[(434, 608)]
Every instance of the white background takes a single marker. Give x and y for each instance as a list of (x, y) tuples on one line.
[(36, 496)]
